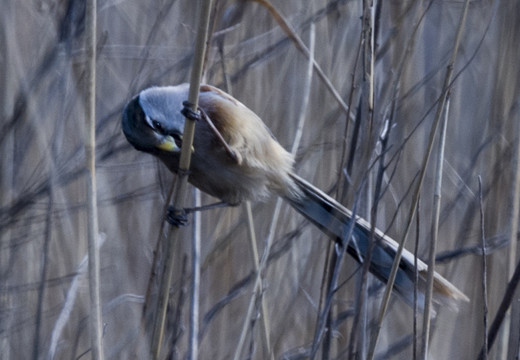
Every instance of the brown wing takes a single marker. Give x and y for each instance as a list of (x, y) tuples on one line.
[(229, 115), (248, 136)]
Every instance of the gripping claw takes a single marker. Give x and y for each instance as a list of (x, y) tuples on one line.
[(177, 217)]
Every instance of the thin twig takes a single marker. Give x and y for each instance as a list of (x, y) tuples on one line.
[(287, 28), (416, 279), (257, 288), (151, 296), (256, 260), (484, 267), (306, 91), (513, 221), (43, 271), (501, 312), (320, 327)]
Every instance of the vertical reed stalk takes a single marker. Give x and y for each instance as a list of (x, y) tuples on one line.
[(182, 178), (195, 283), (434, 233), (358, 335), (513, 239), (484, 268), (96, 327)]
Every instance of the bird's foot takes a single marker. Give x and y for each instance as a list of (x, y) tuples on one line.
[(188, 111), (177, 217)]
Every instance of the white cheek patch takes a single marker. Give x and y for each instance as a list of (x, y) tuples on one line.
[(148, 121)]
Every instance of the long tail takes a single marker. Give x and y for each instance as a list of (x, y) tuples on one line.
[(335, 220)]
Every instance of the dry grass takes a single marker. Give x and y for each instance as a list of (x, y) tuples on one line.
[(44, 299)]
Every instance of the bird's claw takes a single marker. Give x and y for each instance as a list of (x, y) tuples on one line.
[(188, 111), (177, 217)]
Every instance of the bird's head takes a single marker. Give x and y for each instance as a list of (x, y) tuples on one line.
[(152, 121)]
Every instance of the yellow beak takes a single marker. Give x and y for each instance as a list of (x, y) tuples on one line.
[(168, 144)]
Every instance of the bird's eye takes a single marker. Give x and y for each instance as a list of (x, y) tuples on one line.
[(157, 126)]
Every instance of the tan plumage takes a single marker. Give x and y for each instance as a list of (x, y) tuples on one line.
[(264, 165), (152, 122)]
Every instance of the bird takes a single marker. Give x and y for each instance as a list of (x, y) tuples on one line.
[(236, 158)]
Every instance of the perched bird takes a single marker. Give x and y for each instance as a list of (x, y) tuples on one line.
[(238, 159)]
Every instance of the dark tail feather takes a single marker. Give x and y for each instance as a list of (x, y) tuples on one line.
[(335, 220)]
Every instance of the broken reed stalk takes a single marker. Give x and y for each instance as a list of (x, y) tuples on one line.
[(440, 108), (434, 232), (182, 178), (96, 324)]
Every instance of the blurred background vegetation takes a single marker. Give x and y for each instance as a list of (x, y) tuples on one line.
[(44, 302)]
